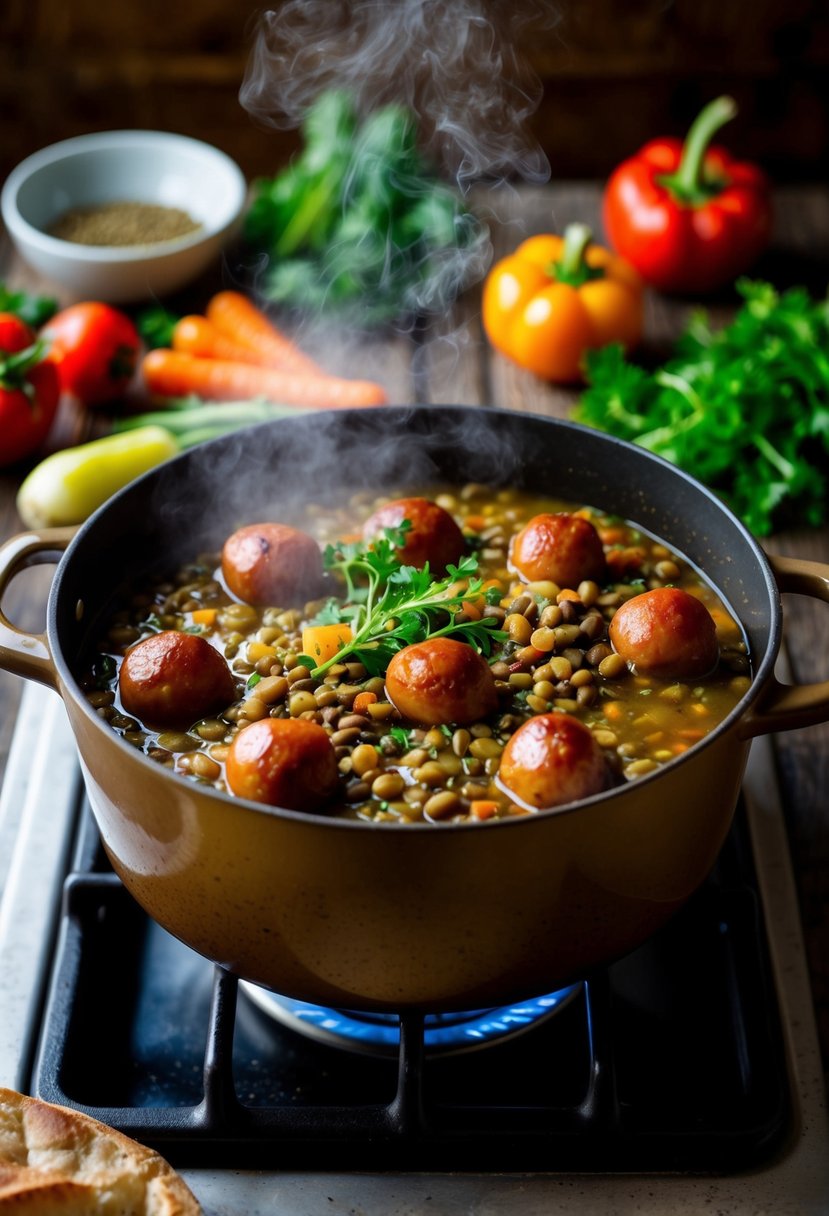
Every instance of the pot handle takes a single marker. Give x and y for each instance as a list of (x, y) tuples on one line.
[(28, 654), (786, 706)]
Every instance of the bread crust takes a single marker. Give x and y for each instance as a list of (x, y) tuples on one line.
[(54, 1159)]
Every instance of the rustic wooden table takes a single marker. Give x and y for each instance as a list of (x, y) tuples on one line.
[(454, 364)]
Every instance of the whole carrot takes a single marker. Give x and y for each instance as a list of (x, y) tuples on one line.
[(237, 318), (170, 373), (194, 335)]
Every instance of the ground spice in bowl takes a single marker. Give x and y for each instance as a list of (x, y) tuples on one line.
[(123, 223)]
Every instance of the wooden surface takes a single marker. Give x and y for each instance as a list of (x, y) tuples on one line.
[(453, 364), (603, 76)]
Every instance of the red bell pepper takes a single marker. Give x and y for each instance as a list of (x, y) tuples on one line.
[(688, 216)]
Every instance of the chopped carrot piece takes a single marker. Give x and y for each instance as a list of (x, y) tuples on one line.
[(483, 808), (613, 711), (321, 642), (679, 748), (612, 535), (691, 733), (620, 560), (204, 616), (363, 700), (476, 523), (726, 625), (259, 650), (471, 609), (566, 594)]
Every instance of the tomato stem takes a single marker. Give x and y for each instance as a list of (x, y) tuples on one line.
[(688, 182), (15, 367)]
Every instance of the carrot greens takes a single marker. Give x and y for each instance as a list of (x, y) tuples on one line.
[(389, 605), (744, 408)]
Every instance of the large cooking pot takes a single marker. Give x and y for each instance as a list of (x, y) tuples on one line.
[(373, 916)]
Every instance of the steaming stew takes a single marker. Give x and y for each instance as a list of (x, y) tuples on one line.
[(580, 654)]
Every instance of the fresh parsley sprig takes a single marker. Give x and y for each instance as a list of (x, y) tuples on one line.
[(389, 605), (744, 408)]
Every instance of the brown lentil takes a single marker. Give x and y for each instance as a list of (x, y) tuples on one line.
[(518, 628), (388, 786), (556, 658), (612, 666), (460, 742), (440, 806), (364, 758), (341, 738)]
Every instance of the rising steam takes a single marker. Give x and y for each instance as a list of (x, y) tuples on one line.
[(452, 62)]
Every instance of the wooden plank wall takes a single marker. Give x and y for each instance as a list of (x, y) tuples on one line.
[(613, 73)]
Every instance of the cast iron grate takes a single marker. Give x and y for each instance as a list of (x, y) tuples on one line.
[(669, 1060)]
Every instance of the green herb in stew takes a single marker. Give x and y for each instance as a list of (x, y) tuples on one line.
[(396, 695)]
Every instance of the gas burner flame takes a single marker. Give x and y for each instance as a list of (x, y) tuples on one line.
[(378, 1034)]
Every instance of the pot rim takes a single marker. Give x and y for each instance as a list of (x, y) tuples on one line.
[(399, 413)]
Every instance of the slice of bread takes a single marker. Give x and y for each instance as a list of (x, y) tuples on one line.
[(53, 1159)]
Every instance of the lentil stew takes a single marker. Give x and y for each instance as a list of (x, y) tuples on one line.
[(552, 653)]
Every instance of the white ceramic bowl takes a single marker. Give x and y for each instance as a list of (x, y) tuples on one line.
[(135, 166)]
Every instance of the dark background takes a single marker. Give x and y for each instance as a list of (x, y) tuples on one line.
[(613, 73)]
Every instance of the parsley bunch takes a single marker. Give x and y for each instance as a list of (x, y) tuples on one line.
[(744, 409), (389, 605)]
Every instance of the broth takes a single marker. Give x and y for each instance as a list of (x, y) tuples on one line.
[(549, 654)]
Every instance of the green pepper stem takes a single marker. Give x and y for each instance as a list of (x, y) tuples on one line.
[(688, 177), (572, 266), (571, 263)]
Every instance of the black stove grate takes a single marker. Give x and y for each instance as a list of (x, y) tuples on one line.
[(670, 1060)]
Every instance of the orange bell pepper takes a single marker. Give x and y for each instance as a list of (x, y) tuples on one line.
[(555, 298)]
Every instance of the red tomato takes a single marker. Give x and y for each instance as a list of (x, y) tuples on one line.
[(95, 349), (272, 564), (552, 759), (15, 334), (666, 632), (441, 681), (563, 548), (434, 537), (286, 762), (29, 391), (172, 679)]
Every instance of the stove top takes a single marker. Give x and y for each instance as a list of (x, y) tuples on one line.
[(680, 1077)]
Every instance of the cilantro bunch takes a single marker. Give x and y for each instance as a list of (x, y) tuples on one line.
[(389, 605), (744, 409)]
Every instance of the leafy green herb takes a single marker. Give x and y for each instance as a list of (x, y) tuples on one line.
[(360, 217), (389, 605), (104, 669), (401, 736), (155, 324), (253, 680), (745, 409), (34, 310)]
